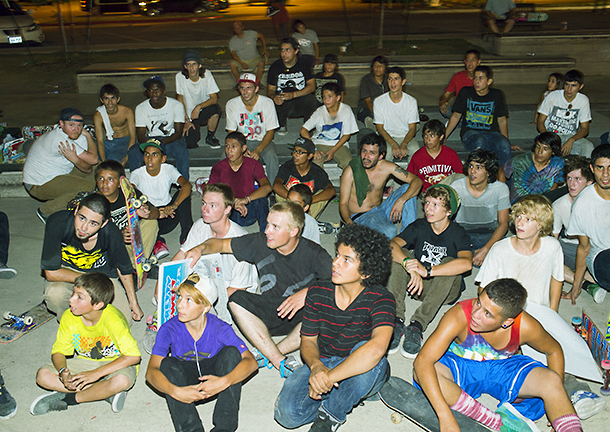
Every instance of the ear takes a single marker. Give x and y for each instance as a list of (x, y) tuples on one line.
[(294, 232), (98, 306), (227, 210), (310, 156), (207, 309), (118, 99), (490, 81), (442, 138), (404, 81), (508, 322), (163, 159), (306, 208), (581, 87)]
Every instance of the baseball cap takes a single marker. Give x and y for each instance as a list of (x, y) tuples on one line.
[(454, 197), (68, 113), (206, 287), (152, 142), (305, 144), (154, 79), (248, 77), (191, 55)]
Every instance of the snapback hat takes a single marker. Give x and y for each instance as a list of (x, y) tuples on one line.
[(152, 142), (154, 80), (68, 113), (305, 144), (206, 287), (248, 77)]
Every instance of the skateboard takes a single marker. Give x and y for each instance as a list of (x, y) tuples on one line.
[(18, 325), (409, 402), (132, 205), (33, 132), (596, 339), (328, 227), (531, 16)]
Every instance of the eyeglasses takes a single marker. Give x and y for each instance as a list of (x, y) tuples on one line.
[(298, 152)]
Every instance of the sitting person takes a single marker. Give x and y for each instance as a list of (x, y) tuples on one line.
[(435, 161), (242, 174), (301, 194), (500, 11), (372, 85), (309, 45), (329, 73), (431, 274), (537, 173), (287, 265), (244, 52), (483, 211), (105, 356), (115, 126), (346, 329), (472, 59), (533, 257), (216, 368), (155, 180), (301, 169), (362, 184), (333, 124), (474, 350)]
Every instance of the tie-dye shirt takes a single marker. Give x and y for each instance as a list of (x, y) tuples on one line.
[(526, 179)]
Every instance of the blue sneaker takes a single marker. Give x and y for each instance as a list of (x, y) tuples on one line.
[(289, 365), (587, 404), (261, 359), (514, 421)]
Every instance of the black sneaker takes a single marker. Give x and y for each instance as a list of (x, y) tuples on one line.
[(399, 332), (7, 272), (324, 423), (8, 405), (412, 344), (48, 402), (213, 142)]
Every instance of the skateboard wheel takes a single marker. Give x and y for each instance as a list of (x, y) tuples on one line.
[(28, 320), (146, 267), (144, 199), (136, 203), (606, 364), (153, 260), (396, 418), (7, 315)]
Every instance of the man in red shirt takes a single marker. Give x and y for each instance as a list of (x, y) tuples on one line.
[(472, 59)]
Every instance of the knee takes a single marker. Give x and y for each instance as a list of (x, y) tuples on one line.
[(42, 377), (119, 383), (170, 367), (228, 357), (286, 413)]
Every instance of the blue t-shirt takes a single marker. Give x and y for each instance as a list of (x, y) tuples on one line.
[(174, 338)]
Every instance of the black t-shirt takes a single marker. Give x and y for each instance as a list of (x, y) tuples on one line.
[(339, 331), (289, 79), (431, 247), (62, 248), (118, 210), (321, 80), (480, 112), (316, 178), (283, 275)]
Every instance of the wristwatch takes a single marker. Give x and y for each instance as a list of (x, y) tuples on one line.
[(428, 268)]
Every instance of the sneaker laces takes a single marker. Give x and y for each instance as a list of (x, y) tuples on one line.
[(58, 405)]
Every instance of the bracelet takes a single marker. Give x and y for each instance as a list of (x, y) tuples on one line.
[(249, 201), (62, 370), (404, 262)]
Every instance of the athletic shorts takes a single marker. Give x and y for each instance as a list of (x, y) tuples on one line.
[(77, 365), (265, 308)]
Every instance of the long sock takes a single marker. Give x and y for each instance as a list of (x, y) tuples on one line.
[(567, 423), (70, 399), (470, 407)]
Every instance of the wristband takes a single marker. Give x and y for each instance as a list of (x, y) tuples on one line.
[(404, 262), (428, 268), (248, 199), (62, 370)]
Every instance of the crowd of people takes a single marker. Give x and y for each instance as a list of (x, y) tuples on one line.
[(338, 317)]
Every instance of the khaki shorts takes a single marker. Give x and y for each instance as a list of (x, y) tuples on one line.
[(252, 63), (79, 364)]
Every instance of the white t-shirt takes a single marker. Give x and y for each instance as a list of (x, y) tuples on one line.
[(396, 117), (245, 48), (306, 41), (311, 230), (197, 92), (253, 124), (562, 209), (534, 272), (156, 188), (44, 162), (159, 122), (235, 274), (560, 119), (329, 130), (481, 213), (590, 218)]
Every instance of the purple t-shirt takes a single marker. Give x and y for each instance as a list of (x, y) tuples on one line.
[(174, 337)]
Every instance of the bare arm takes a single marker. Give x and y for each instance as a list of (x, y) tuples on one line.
[(211, 101), (410, 135), (261, 37), (369, 103), (131, 125), (540, 122), (533, 334), (503, 125), (185, 192), (501, 175), (178, 129), (583, 132), (584, 246), (388, 139), (279, 188), (453, 122), (331, 153), (327, 194), (443, 102), (555, 294), (347, 180), (141, 134), (264, 187), (61, 275), (98, 123), (498, 234), (208, 247), (267, 138)]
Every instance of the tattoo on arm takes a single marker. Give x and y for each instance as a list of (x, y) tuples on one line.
[(399, 171)]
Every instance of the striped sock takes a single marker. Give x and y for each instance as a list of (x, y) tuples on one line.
[(567, 423), (477, 411)]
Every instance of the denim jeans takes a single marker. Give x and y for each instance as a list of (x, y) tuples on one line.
[(176, 150), (257, 212), (116, 149), (269, 157), (294, 407), (184, 373), (379, 217), (478, 239), (487, 140)]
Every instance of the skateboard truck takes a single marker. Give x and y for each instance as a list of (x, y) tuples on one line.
[(19, 321), (605, 389)]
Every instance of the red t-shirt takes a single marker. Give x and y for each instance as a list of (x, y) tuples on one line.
[(241, 181), (458, 81), (430, 170)]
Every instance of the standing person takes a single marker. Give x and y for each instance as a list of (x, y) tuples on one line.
[(567, 112), (207, 360), (346, 329), (464, 78), (308, 42), (245, 53), (329, 73), (396, 117), (197, 90), (254, 116), (431, 274), (590, 223), (484, 115), (280, 17), (116, 123), (161, 118), (483, 212), (5, 272), (243, 174), (290, 84), (333, 124), (60, 164), (81, 242), (372, 85)]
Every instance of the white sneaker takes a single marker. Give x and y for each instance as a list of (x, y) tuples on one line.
[(587, 404)]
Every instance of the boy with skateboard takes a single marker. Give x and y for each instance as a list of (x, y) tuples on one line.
[(105, 354), (115, 126), (347, 326), (216, 365), (473, 351)]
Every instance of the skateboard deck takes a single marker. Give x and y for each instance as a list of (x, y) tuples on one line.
[(132, 204), (33, 132), (596, 339), (14, 329), (532, 16), (409, 402)]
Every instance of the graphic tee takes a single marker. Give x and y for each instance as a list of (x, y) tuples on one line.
[(160, 122), (563, 117), (288, 79), (316, 178), (328, 129), (480, 113), (253, 124)]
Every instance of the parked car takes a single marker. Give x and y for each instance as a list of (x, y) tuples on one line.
[(17, 25), (98, 7), (157, 7)]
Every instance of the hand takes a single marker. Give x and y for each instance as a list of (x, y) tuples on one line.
[(396, 152), (83, 379), (194, 254), (329, 155), (245, 66), (68, 151), (252, 154), (136, 312), (566, 148), (320, 382), (515, 147), (414, 265), (212, 385), (143, 212), (396, 213), (292, 304), (318, 157), (126, 235), (187, 125), (124, 160), (66, 379), (444, 107), (241, 208), (572, 294), (278, 99), (167, 211), (188, 394), (416, 284), (479, 256), (195, 112)]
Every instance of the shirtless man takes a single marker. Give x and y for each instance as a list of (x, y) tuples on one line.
[(362, 185), (119, 124)]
